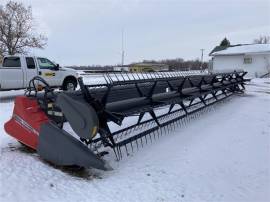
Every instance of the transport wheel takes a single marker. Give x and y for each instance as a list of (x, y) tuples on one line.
[(70, 85)]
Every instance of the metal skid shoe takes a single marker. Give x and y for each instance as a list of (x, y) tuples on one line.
[(60, 148), (161, 101)]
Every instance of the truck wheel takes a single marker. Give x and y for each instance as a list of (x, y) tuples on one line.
[(70, 85)]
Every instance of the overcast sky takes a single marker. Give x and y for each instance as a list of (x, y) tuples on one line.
[(82, 32)]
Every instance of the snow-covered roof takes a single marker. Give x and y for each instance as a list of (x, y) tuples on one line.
[(244, 49)]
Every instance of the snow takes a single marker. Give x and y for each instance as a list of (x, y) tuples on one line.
[(224, 155), (245, 49)]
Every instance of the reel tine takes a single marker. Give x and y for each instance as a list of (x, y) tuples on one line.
[(150, 137), (137, 144), (145, 139), (166, 129), (120, 152), (154, 135), (126, 150), (116, 155), (131, 146), (141, 142)]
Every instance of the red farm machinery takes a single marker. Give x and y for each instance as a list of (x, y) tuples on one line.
[(125, 112)]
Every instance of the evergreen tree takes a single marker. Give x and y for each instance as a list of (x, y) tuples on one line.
[(225, 42)]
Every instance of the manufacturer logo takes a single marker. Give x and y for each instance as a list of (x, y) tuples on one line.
[(49, 74)]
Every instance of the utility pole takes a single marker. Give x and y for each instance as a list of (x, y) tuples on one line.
[(202, 58), (123, 52)]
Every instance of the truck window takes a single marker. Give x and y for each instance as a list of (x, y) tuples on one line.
[(44, 63), (12, 62), (30, 63)]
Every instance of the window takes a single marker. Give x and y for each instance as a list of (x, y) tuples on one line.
[(247, 60), (44, 63), (12, 62), (30, 63)]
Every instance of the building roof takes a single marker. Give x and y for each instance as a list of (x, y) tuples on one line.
[(219, 48), (243, 49)]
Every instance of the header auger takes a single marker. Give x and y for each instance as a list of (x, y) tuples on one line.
[(123, 113)]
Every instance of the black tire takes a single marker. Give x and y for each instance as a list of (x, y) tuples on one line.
[(70, 84)]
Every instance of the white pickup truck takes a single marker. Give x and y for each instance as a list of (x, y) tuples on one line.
[(17, 71)]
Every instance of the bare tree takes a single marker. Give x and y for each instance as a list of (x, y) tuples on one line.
[(1, 51), (262, 40), (17, 29)]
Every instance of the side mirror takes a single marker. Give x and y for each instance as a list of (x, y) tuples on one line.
[(57, 67)]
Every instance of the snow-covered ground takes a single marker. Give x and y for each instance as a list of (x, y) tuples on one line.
[(222, 156)]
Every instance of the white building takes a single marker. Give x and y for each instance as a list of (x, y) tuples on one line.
[(253, 58)]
